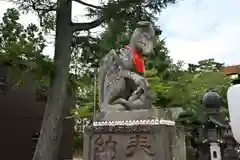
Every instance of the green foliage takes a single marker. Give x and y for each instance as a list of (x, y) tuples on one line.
[(185, 87), (192, 86), (124, 12), (21, 48), (127, 13), (21, 51), (84, 97), (17, 42), (77, 141), (43, 9), (206, 66), (121, 18), (189, 119)]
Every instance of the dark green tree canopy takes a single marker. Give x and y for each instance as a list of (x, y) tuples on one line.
[(21, 47)]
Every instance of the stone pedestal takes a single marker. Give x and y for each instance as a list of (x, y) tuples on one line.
[(132, 141), (143, 114)]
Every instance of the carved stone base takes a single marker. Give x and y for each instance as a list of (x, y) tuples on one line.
[(134, 142)]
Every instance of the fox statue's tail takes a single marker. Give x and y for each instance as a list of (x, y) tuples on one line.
[(105, 65)]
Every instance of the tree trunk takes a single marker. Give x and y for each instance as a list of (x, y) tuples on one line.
[(51, 131)]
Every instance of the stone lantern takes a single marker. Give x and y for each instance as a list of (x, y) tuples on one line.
[(211, 102), (217, 132), (212, 127), (230, 150)]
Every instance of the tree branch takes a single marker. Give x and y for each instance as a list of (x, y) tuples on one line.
[(47, 8), (87, 26), (87, 4), (41, 11)]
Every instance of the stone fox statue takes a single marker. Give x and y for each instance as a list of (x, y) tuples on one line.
[(121, 86)]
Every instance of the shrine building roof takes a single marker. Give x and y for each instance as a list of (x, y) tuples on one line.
[(231, 70)]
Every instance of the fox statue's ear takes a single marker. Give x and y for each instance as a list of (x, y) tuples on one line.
[(142, 24)]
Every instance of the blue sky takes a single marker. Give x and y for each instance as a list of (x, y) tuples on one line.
[(193, 29)]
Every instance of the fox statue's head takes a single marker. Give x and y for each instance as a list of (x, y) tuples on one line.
[(144, 38)]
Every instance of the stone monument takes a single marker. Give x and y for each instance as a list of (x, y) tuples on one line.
[(128, 128)]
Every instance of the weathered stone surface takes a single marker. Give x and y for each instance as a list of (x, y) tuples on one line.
[(143, 114), (121, 84), (135, 142), (138, 143), (178, 143)]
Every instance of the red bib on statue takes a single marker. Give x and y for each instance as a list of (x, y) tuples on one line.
[(137, 60)]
